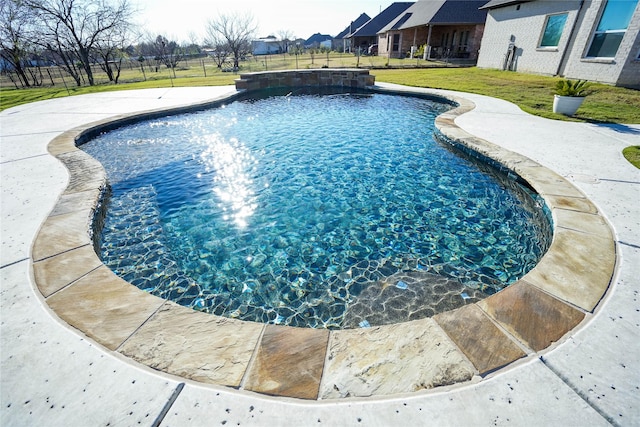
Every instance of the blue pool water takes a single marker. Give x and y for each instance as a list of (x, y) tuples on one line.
[(331, 211)]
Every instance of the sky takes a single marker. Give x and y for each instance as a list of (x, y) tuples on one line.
[(181, 19)]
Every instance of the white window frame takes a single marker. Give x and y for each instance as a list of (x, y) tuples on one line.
[(596, 32), (593, 37), (544, 28)]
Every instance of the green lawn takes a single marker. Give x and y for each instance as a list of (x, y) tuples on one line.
[(532, 93), (632, 154)]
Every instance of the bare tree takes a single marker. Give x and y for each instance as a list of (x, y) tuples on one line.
[(285, 37), (73, 29), (16, 33), (190, 49), (218, 48), (234, 31), (167, 52), (109, 57), (111, 50)]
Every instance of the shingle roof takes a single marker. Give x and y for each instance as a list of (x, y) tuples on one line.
[(425, 12), (374, 25), (317, 38), (353, 27), (404, 18), (460, 12)]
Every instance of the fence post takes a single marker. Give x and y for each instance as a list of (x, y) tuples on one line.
[(50, 77), (64, 82)]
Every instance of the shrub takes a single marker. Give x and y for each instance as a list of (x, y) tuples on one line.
[(568, 87)]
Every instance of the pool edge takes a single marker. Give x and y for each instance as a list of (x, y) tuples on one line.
[(583, 226)]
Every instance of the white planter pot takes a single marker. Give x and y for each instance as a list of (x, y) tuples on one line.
[(567, 105)]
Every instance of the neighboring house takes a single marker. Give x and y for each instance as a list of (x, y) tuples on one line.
[(32, 61), (318, 41), (367, 34), (446, 28), (595, 40), (297, 45), (342, 42), (266, 46)]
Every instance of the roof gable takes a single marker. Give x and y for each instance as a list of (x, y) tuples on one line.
[(404, 18), (318, 38), (374, 25), (362, 19), (461, 12), (425, 12)]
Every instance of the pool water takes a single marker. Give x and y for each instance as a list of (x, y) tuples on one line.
[(327, 211)]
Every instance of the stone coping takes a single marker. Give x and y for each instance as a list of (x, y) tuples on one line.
[(355, 78), (452, 347)]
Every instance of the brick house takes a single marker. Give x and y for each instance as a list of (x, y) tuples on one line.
[(342, 42), (447, 29), (367, 34), (596, 40)]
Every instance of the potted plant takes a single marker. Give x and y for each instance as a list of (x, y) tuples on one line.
[(569, 95)]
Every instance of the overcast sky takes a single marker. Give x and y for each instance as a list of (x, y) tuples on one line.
[(177, 19)]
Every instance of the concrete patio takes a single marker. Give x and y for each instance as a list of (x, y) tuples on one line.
[(53, 375)]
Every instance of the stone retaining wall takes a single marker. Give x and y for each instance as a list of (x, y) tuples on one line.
[(352, 78)]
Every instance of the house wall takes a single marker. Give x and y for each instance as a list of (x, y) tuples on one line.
[(340, 45), (384, 40), (417, 34), (363, 42), (385, 44), (470, 51), (478, 35), (623, 70), (630, 74), (260, 47), (421, 34), (524, 27)]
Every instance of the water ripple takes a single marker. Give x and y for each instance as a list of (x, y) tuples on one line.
[(317, 211)]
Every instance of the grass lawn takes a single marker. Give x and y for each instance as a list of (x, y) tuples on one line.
[(632, 154), (532, 93)]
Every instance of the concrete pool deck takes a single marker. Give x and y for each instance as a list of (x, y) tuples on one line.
[(53, 375)]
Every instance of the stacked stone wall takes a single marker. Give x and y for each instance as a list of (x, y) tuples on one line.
[(350, 78)]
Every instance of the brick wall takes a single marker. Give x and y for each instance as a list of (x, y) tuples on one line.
[(623, 70), (526, 25)]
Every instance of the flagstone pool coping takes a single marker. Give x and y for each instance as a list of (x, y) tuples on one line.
[(466, 344)]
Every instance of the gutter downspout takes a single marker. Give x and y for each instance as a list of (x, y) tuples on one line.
[(570, 41)]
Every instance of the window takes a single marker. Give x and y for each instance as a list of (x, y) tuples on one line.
[(611, 28), (396, 42), (553, 30), (464, 41)]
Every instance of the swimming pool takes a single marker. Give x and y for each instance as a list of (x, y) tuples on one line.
[(331, 211)]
